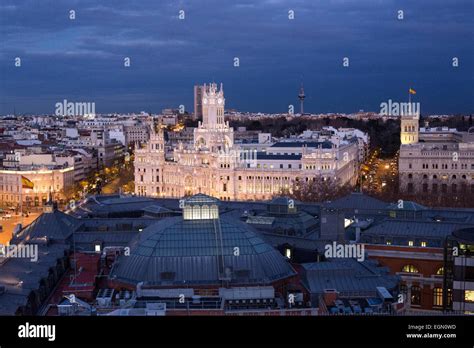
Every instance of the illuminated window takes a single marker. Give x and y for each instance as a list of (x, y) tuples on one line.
[(288, 253), (423, 244), (97, 248), (437, 297), (410, 269), (389, 242), (469, 295), (440, 271), (410, 243)]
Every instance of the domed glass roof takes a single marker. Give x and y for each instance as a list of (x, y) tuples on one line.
[(177, 251)]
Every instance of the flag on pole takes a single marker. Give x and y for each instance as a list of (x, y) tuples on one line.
[(26, 183), (411, 91)]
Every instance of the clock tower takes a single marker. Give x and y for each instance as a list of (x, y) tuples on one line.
[(213, 107), (213, 133)]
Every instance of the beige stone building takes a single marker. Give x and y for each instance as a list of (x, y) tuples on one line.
[(214, 165), (435, 160), (46, 179)]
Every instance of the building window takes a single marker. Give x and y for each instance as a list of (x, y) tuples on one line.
[(437, 297), (469, 295), (409, 269), (415, 295), (423, 244), (410, 243), (403, 289)]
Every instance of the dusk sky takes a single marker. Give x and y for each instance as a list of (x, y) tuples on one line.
[(82, 60)]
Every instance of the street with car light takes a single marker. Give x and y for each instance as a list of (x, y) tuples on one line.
[(378, 173)]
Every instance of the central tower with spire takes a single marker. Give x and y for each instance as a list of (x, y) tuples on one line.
[(213, 102), (213, 133)]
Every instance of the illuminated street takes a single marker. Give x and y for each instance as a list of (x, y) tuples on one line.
[(9, 225), (379, 173)]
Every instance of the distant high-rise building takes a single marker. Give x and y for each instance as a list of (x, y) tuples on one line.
[(198, 92), (301, 97)]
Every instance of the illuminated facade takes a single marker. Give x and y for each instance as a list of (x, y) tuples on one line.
[(214, 165), (436, 160), (46, 180)]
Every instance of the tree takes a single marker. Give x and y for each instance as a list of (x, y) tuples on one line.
[(317, 189)]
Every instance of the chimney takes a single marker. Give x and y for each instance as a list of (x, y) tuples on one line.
[(332, 224)]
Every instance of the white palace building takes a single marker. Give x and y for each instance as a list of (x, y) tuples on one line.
[(214, 165), (435, 160)]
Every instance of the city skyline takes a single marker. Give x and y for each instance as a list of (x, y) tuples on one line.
[(218, 159), (82, 59)]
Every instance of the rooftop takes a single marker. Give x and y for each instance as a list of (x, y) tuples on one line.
[(181, 251)]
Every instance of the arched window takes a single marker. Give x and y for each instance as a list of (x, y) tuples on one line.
[(196, 212), (435, 177), (410, 269), (454, 177), (415, 295), (410, 176), (205, 212)]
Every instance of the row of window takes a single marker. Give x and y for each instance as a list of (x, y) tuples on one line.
[(271, 166), (444, 188), (412, 269), (409, 128), (314, 167), (443, 166), (416, 295), (454, 176), (410, 243)]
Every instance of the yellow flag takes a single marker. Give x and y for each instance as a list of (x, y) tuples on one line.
[(412, 91)]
